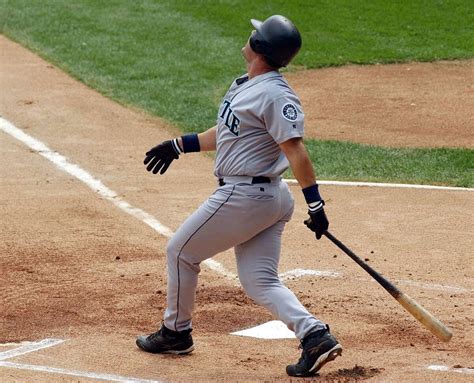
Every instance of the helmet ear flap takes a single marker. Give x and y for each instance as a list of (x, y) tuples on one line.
[(259, 46), (256, 44)]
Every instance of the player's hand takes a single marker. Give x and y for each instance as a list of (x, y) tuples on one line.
[(317, 220), (160, 157)]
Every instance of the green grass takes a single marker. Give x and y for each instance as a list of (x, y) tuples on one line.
[(355, 162), (337, 32), (175, 58)]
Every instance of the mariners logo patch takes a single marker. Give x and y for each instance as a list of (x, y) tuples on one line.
[(289, 112)]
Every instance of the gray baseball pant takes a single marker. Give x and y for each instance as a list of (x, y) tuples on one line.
[(250, 218)]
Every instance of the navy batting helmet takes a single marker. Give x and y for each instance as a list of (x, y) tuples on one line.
[(277, 39)]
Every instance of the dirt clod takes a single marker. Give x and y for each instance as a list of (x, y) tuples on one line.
[(355, 373)]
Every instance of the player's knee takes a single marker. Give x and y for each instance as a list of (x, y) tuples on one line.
[(172, 249), (252, 292), (255, 285), (177, 253)]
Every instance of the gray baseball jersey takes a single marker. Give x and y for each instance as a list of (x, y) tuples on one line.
[(255, 116), (246, 213)]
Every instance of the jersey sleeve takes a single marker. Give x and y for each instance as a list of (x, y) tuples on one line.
[(284, 118)]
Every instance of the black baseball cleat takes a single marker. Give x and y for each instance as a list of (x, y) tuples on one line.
[(166, 341), (319, 348)]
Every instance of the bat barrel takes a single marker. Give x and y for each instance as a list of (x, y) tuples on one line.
[(425, 317)]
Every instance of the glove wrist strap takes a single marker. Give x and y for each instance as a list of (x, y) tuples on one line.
[(315, 206), (177, 148), (191, 143)]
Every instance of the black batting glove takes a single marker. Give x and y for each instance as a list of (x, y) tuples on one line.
[(317, 220), (161, 156)]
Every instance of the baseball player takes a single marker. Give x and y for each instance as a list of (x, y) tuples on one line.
[(258, 135)]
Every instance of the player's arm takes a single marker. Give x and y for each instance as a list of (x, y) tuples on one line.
[(302, 168), (159, 158), (207, 140), (301, 165)]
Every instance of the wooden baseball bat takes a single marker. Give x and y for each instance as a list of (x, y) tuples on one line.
[(414, 308)]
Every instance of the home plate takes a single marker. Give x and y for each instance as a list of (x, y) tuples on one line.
[(274, 329)]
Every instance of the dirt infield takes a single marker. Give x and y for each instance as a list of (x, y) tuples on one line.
[(76, 267), (403, 105)]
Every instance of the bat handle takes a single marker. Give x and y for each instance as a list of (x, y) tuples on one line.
[(386, 284)]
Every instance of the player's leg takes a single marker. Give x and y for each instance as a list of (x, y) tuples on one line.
[(196, 240), (257, 263), (192, 243), (227, 218)]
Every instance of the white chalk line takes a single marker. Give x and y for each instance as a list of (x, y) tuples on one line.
[(15, 344), (81, 374), (435, 286), (95, 184), (220, 269), (424, 285), (285, 276), (298, 273), (462, 370), (385, 185), (29, 347)]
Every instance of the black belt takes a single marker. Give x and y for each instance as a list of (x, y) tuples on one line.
[(255, 180)]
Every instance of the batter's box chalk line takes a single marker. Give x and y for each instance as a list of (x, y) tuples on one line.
[(442, 368), (28, 347)]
